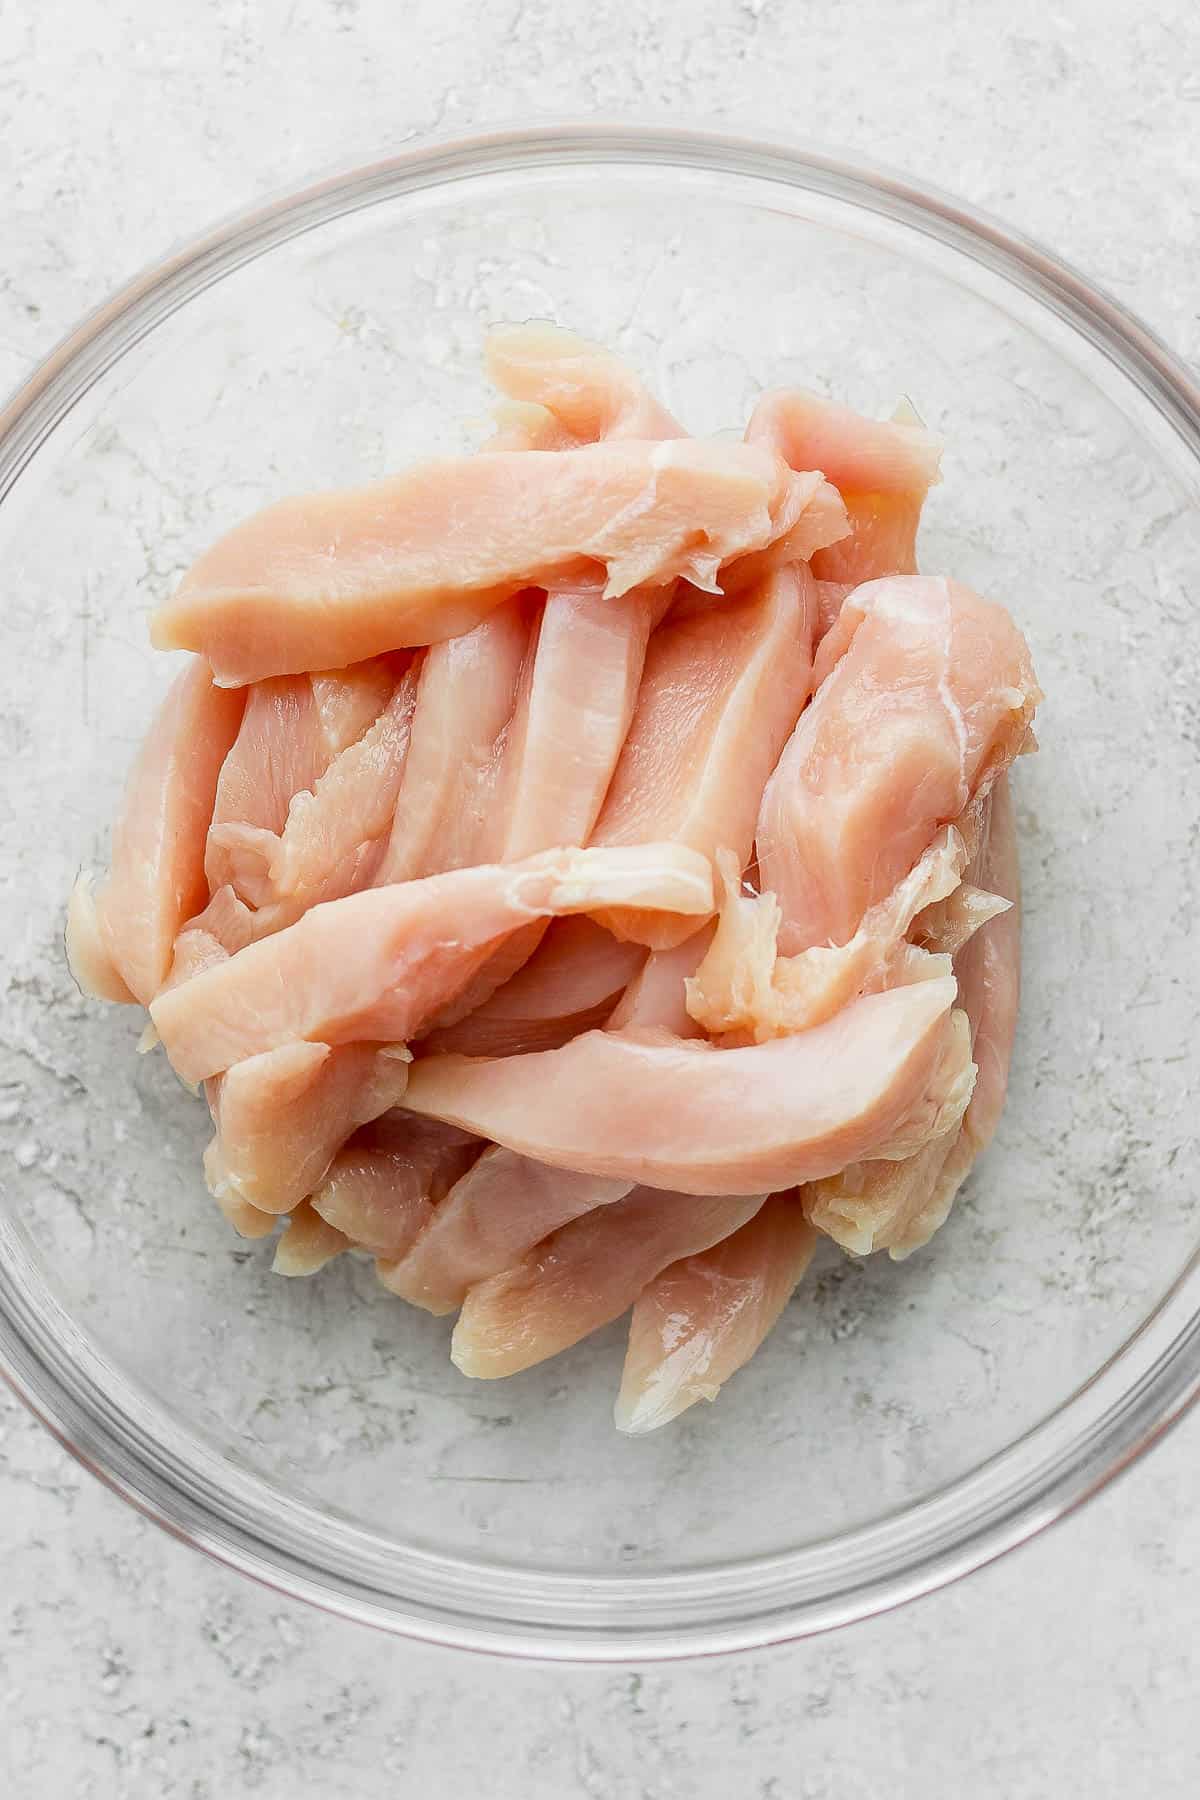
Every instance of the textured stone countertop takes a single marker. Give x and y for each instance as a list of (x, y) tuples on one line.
[(131, 1667)]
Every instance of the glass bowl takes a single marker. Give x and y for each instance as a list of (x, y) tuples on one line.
[(904, 1422)]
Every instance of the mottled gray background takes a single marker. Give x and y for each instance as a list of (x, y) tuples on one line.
[(129, 1666)]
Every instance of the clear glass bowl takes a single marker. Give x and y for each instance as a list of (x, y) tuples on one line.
[(904, 1422)]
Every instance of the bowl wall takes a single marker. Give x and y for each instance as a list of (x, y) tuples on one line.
[(316, 1430)]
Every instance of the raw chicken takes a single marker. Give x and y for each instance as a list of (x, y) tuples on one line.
[(498, 968), (382, 1186), (572, 982), (348, 701), (882, 469), (307, 1243), (701, 1319), (331, 831), (503, 1205), (882, 1077), (282, 1116), (508, 1202), (583, 1277), (819, 519), (898, 1207), (280, 748), (292, 728), (657, 996), (581, 678), (830, 596), (928, 704), (224, 927), (122, 935), (434, 922), (87, 951), (468, 688), (524, 425), (746, 988), (424, 556), (246, 1220), (721, 691), (989, 971), (591, 393), (377, 965), (573, 711)]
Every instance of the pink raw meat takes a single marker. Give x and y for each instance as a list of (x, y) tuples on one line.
[(701, 1319), (929, 703), (122, 935), (336, 577)]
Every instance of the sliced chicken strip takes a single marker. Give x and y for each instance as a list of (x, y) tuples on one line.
[(745, 987), (819, 519), (307, 1243), (426, 555), (583, 1277), (722, 689), (508, 1203), (573, 711), (929, 703), (293, 727), (575, 697), (502, 1205), (570, 984), (581, 678), (377, 965), (882, 468), (898, 1207), (246, 1220), (703, 1318), (860, 1205), (122, 934), (881, 1078), (468, 688), (382, 1186), (657, 996), (224, 927), (280, 748), (348, 701), (494, 972), (87, 950), (524, 425), (989, 969), (592, 393), (349, 807), (282, 1116), (946, 925), (830, 597)]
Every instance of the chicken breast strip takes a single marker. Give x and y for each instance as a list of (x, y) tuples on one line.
[(571, 983), (881, 1078), (898, 1206), (121, 936), (722, 689), (702, 1318), (883, 470), (337, 577), (928, 703), (465, 697), (377, 965), (507, 1202), (583, 1277), (581, 679), (382, 1186)]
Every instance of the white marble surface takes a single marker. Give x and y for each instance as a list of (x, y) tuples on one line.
[(128, 1665)]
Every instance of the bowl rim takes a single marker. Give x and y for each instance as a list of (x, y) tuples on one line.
[(468, 1602)]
